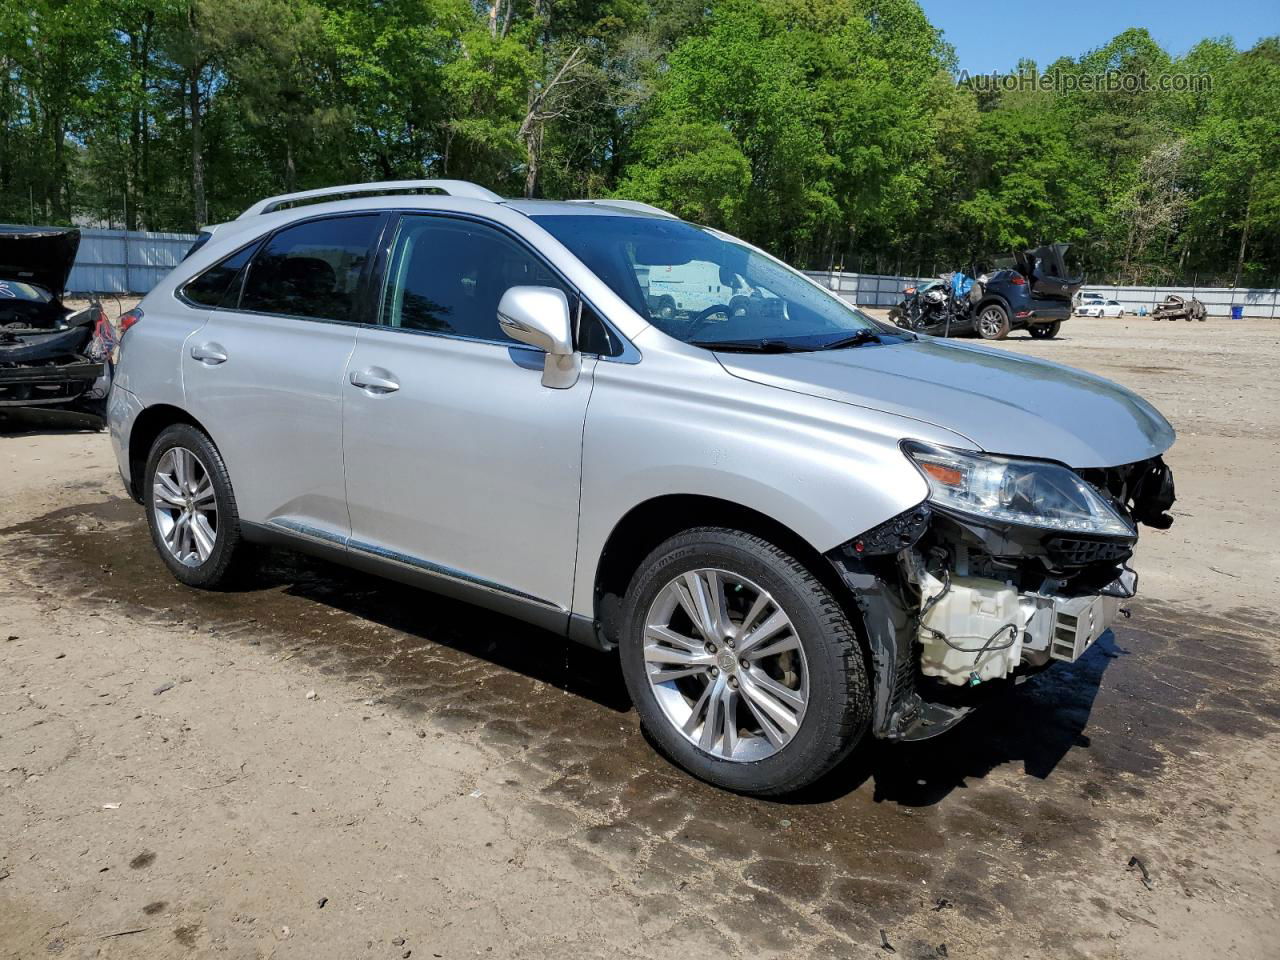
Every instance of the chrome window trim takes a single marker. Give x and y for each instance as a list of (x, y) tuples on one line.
[(179, 292), (630, 353)]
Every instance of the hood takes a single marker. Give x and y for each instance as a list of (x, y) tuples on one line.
[(39, 255), (1002, 402)]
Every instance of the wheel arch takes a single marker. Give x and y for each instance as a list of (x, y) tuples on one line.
[(993, 298), (150, 423), (651, 522)]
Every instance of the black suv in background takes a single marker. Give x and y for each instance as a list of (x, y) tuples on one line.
[(1033, 289)]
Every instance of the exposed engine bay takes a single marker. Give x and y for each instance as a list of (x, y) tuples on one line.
[(956, 605)]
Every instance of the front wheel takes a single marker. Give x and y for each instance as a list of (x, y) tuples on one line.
[(743, 666), (993, 322), (1045, 331)]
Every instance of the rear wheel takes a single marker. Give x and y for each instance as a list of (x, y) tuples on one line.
[(1045, 331), (191, 509), (993, 322), (743, 667)]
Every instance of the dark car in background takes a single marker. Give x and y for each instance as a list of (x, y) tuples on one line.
[(1031, 290), (50, 355)]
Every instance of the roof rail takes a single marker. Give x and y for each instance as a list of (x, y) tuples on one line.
[(452, 188), (630, 205)]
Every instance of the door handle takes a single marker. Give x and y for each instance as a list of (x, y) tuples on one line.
[(210, 354), (375, 380)]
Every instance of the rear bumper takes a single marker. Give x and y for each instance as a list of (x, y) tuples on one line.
[(47, 384), (1043, 313), (122, 411)]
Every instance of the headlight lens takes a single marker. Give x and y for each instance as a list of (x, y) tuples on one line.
[(1016, 491)]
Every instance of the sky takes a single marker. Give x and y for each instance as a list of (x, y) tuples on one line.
[(990, 35)]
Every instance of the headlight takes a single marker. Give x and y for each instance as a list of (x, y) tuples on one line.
[(1016, 491)]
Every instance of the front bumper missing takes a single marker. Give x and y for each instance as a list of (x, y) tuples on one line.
[(1058, 595)]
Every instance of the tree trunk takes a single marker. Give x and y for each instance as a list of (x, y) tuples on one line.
[(199, 208), (290, 172), (60, 185), (1244, 235), (533, 145)]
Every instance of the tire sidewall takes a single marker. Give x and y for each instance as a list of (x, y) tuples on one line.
[(831, 682), (212, 571), (1004, 323)]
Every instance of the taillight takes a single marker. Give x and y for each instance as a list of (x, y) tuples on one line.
[(1018, 280), (127, 320)]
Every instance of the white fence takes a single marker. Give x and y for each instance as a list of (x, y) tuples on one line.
[(119, 261), (877, 290)]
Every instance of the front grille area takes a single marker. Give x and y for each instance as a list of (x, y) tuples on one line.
[(1069, 552)]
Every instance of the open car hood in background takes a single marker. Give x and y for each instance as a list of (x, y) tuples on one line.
[(39, 255)]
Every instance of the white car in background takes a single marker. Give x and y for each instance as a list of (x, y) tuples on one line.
[(1100, 308)]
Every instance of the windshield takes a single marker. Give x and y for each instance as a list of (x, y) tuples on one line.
[(697, 286)]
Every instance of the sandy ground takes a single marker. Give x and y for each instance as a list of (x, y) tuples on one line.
[(323, 765)]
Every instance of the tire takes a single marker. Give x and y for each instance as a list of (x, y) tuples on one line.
[(824, 665), (197, 560), (1045, 331), (992, 322)]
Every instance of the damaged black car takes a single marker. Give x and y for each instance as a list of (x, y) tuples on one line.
[(50, 355), (1031, 290)]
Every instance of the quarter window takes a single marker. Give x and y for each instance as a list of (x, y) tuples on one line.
[(312, 269), (447, 276), (219, 286)]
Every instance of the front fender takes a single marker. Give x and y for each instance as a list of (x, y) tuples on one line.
[(681, 425)]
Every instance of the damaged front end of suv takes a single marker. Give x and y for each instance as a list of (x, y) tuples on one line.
[(1008, 566)]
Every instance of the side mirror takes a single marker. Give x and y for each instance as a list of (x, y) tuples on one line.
[(539, 316)]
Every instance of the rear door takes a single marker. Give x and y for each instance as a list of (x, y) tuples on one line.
[(459, 462), (264, 374)]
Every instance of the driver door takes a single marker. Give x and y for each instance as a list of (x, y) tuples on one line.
[(459, 462)]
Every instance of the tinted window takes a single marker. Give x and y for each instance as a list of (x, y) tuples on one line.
[(219, 285), (447, 276), (311, 269), (593, 334)]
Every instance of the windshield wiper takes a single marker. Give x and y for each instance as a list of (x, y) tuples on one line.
[(764, 345), (855, 340)]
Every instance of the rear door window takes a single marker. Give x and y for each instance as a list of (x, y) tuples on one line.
[(312, 269)]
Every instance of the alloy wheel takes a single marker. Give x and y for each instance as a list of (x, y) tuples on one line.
[(990, 322), (726, 665), (185, 508)]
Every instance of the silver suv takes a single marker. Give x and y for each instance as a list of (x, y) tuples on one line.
[(796, 525)]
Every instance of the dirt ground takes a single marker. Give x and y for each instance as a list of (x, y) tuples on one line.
[(324, 765)]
